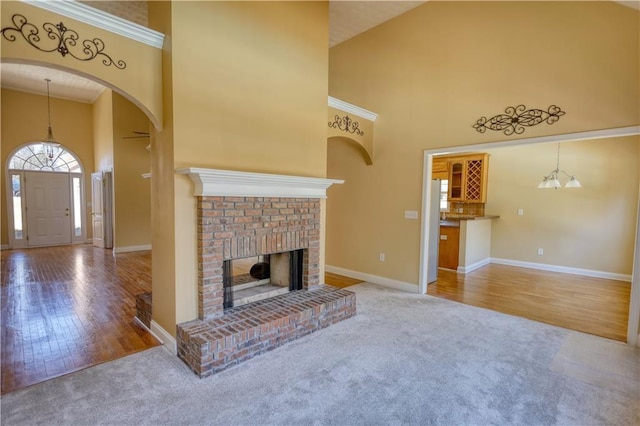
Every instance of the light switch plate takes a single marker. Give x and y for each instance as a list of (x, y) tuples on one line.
[(410, 214)]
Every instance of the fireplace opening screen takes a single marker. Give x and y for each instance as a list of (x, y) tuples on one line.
[(256, 278)]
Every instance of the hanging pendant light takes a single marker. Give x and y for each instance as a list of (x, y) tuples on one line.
[(552, 180), (50, 146)]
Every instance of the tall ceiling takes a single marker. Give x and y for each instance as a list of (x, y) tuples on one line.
[(347, 19)]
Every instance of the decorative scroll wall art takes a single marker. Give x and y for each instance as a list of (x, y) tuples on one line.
[(517, 118), (60, 39), (346, 124)]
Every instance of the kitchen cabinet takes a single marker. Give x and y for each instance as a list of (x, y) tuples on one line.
[(449, 247), (440, 168), (468, 178)]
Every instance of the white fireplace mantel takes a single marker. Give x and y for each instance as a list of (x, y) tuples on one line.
[(214, 182)]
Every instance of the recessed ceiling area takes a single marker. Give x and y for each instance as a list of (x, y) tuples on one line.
[(31, 79)]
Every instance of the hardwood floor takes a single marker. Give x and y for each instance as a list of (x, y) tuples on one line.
[(590, 305), (68, 308), (339, 280)]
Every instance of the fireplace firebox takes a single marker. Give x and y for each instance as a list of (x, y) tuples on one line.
[(251, 279)]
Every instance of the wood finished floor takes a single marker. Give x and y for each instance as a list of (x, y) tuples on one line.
[(68, 308), (590, 305), (339, 280)]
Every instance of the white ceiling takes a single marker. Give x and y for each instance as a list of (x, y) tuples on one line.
[(346, 20), (31, 78)]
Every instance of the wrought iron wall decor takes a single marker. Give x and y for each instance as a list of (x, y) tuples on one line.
[(517, 118), (64, 41), (346, 124)]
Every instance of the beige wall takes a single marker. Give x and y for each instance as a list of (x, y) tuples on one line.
[(162, 186), (432, 72), (103, 131), (24, 119), (589, 228), (254, 99), (132, 193)]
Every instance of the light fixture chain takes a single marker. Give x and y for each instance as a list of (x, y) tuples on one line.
[(48, 102)]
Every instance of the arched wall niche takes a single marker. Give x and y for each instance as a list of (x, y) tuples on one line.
[(140, 81), (366, 156), (349, 127)]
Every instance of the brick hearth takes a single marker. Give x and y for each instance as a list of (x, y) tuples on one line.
[(249, 330)]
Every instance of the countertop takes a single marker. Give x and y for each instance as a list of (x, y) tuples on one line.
[(453, 220)]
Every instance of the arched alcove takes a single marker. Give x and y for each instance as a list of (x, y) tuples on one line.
[(366, 156)]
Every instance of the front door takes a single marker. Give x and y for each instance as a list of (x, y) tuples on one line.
[(48, 208)]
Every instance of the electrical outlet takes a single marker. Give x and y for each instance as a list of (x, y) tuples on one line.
[(540, 252), (381, 257), (520, 212)]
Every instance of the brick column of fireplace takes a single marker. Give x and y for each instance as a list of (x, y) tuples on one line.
[(238, 227)]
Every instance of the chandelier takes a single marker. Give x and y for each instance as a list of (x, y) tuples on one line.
[(50, 146), (552, 180)]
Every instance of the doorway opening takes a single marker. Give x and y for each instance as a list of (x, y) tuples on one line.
[(45, 197), (428, 232)]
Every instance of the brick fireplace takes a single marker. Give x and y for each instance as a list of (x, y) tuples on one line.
[(242, 215)]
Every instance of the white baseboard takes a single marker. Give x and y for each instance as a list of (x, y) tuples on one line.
[(563, 269), (167, 339), (386, 282), (4, 247), (127, 249), (473, 266)]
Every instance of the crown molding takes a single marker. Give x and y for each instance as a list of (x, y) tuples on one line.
[(106, 21), (213, 182), (353, 109)]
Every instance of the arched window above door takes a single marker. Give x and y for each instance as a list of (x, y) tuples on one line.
[(33, 157)]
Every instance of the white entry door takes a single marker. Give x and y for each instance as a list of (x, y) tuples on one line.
[(48, 208), (101, 209)]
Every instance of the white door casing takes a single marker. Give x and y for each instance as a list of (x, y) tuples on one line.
[(48, 207)]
